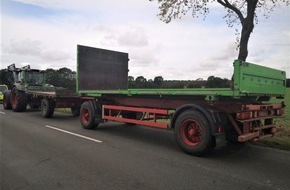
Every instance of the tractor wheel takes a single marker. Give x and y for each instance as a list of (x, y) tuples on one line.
[(87, 116), (47, 108), (18, 100), (192, 132), (6, 100)]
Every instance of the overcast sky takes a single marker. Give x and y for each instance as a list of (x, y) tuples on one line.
[(45, 33)]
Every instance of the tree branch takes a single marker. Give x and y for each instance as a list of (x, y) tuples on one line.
[(227, 4)]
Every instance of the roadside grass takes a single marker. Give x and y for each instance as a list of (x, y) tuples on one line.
[(63, 110), (281, 140)]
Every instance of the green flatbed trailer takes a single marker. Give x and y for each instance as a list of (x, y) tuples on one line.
[(200, 117)]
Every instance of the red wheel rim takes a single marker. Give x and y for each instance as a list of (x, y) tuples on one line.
[(85, 116), (191, 132), (14, 99)]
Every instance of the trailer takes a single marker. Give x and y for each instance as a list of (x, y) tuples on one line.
[(199, 117), (29, 89)]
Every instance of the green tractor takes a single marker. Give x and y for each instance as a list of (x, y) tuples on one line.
[(28, 85)]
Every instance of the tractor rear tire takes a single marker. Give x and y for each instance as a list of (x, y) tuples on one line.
[(18, 100), (6, 100), (47, 108)]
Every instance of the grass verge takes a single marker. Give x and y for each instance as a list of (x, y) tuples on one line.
[(281, 140), (63, 110)]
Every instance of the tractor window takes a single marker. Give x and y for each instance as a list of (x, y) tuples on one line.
[(35, 78)]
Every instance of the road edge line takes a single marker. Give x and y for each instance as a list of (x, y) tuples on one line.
[(74, 134)]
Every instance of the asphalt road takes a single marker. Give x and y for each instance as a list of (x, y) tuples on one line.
[(57, 153)]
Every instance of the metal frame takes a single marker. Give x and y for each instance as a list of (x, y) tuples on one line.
[(256, 121), (113, 113)]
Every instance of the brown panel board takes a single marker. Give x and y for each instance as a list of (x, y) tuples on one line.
[(100, 69)]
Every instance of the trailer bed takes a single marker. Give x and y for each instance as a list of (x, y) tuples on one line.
[(108, 71)]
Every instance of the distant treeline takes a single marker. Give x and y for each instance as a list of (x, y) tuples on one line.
[(66, 78), (159, 82)]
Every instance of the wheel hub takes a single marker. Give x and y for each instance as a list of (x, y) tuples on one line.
[(191, 132)]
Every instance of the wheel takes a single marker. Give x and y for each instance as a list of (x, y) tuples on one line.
[(47, 108), (75, 111), (18, 100), (87, 116), (6, 100), (192, 133)]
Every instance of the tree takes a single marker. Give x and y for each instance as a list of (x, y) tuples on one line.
[(158, 81), (141, 79), (141, 82), (216, 82), (52, 77), (62, 77), (130, 79), (238, 12)]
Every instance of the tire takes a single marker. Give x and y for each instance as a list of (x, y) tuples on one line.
[(75, 111), (192, 133), (87, 114), (18, 100), (6, 100), (47, 108)]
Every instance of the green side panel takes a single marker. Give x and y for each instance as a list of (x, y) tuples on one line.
[(170, 92), (253, 79)]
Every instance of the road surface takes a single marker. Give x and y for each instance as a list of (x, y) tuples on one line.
[(57, 153)]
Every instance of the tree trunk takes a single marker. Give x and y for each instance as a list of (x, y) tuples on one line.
[(247, 28), (245, 35)]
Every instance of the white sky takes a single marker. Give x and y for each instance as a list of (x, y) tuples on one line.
[(44, 33)]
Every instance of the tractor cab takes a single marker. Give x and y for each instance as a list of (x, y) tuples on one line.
[(26, 76), (32, 77)]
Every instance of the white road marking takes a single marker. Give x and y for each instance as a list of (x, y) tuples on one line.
[(1, 112), (74, 134)]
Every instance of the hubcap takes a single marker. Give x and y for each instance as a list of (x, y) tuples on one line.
[(191, 132)]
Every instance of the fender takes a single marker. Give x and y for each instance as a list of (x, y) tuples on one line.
[(97, 110), (203, 109), (19, 86)]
